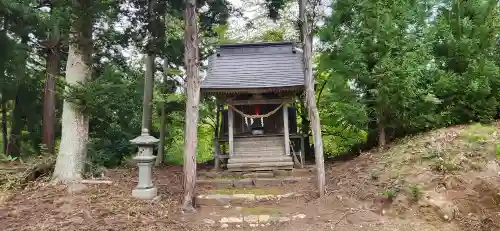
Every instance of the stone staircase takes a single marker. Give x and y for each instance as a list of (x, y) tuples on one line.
[(259, 153), (238, 200)]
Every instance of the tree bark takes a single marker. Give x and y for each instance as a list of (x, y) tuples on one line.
[(148, 93), (5, 138), (193, 99), (381, 136), (147, 109), (310, 101), (75, 122), (18, 114), (49, 102), (13, 146), (163, 120)]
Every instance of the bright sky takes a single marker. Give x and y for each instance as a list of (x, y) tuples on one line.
[(251, 10)]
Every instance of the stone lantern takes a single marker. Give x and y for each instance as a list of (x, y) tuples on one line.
[(145, 160)]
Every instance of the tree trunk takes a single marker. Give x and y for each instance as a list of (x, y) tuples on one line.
[(49, 102), (163, 121), (193, 99), (5, 139), (75, 122), (148, 93), (147, 109), (310, 101), (381, 135), (13, 146), (18, 115)]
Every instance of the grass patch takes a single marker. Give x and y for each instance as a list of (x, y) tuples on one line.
[(390, 194), (497, 150), (478, 133), (255, 191), (445, 166), (416, 192)]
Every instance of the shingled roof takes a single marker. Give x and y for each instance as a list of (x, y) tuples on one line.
[(254, 66)]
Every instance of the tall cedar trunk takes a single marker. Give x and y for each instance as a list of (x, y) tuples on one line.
[(148, 93), (5, 134), (14, 145), (4, 126), (75, 122), (310, 102), (163, 120), (49, 101), (147, 108), (193, 99)]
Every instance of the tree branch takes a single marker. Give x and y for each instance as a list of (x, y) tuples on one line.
[(320, 92)]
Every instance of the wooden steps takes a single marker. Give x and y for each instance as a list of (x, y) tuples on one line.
[(257, 165), (259, 153), (259, 159)]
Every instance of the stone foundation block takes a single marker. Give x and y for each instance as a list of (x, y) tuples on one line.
[(242, 198), (262, 182), (243, 183), (213, 200), (145, 194)]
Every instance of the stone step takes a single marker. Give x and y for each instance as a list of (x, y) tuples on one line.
[(261, 159), (250, 182), (264, 174), (307, 171), (239, 217), (244, 199)]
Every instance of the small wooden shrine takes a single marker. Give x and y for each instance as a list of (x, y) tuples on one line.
[(256, 86)]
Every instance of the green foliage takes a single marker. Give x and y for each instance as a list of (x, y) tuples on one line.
[(274, 7), (391, 64), (497, 150), (390, 194), (113, 124), (8, 158), (416, 192)]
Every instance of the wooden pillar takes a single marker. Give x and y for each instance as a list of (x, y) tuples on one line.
[(216, 139), (230, 115), (302, 150), (286, 129), (217, 154)]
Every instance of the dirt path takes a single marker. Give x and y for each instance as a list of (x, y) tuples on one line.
[(110, 207)]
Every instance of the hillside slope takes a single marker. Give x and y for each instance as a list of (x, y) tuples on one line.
[(447, 179)]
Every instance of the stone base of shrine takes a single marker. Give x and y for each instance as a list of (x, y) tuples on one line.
[(145, 193)]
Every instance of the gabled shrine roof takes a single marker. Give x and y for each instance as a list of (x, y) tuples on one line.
[(252, 66)]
